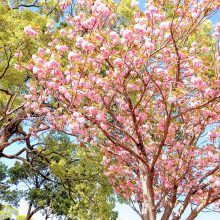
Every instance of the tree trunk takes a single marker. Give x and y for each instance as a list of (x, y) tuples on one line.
[(28, 215), (148, 211)]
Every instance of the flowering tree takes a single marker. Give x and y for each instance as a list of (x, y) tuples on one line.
[(143, 88), (13, 40)]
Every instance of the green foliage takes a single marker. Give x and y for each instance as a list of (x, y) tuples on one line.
[(21, 217), (3, 169), (7, 195), (125, 10), (81, 173), (12, 40), (74, 183), (13, 81), (8, 212)]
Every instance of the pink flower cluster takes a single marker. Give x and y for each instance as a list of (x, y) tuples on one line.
[(134, 3), (18, 54), (74, 56), (197, 63), (30, 32), (64, 4), (137, 93), (84, 44), (198, 83), (100, 8), (61, 48)]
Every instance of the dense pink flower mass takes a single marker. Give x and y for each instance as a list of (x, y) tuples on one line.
[(146, 90), (30, 32), (64, 4)]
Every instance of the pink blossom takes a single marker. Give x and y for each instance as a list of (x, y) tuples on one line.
[(41, 51), (61, 48), (217, 30), (172, 99), (105, 161), (197, 63), (38, 71), (64, 4), (62, 89), (217, 183), (195, 14), (212, 136), (87, 46), (198, 83), (164, 157), (63, 32), (57, 73), (100, 117), (127, 34), (140, 29), (134, 3), (53, 64), (79, 41), (18, 67), (68, 96), (49, 25), (105, 52), (118, 62), (32, 89), (210, 92), (160, 125), (164, 25), (89, 23), (92, 110), (188, 72), (50, 84), (212, 179), (205, 49), (30, 66), (149, 45), (18, 54), (30, 32), (103, 126), (73, 56), (114, 37), (100, 8), (138, 61), (167, 36)]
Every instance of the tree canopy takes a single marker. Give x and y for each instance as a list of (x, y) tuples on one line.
[(59, 182), (144, 90)]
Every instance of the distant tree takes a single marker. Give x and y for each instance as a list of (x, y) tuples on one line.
[(64, 181), (21, 217), (13, 78), (8, 195), (8, 213)]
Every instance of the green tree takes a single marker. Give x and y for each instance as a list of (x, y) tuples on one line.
[(7, 194), (8, 212), (21, 217), (65, 180), (13, 77)]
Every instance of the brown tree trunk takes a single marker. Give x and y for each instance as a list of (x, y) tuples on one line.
[(31, 213), (148, 208), (28, 216)]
